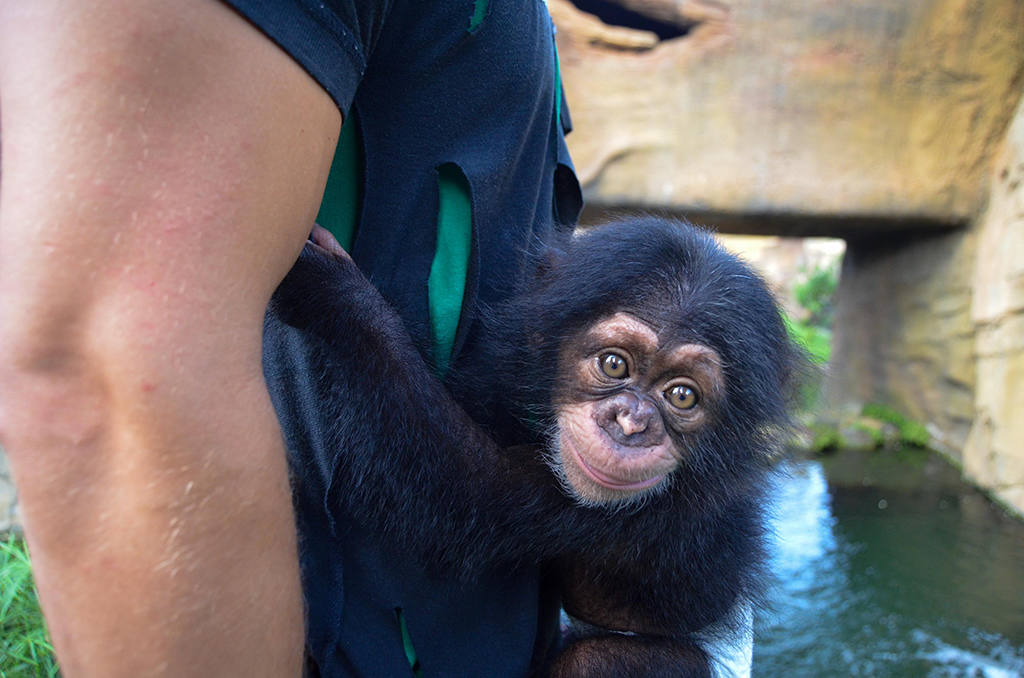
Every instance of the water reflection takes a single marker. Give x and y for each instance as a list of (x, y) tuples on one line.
[(889, 566)]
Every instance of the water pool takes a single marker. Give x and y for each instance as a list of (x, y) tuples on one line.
[(889, 566)]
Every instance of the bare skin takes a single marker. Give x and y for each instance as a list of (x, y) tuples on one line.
[(628, 393), (162, 163)]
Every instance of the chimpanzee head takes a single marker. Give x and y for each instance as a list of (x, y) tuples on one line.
[(662, 359)]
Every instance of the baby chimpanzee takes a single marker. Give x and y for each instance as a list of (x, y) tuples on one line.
[(604, 446)]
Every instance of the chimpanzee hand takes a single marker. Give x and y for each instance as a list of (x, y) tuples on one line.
[(326, 241), (320, 282)]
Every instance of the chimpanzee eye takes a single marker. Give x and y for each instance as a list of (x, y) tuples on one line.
[(682, 397), (614, 365)]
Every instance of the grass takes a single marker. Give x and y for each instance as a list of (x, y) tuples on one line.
[(25, 650), (912, 433)]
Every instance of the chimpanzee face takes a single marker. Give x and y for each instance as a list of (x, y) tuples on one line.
[(625, 405)]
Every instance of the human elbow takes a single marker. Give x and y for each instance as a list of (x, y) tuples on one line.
[(48, 386)]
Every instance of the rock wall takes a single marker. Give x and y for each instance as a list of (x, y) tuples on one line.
[(903, 332), (933, 325), (826, 112), (994, 455)]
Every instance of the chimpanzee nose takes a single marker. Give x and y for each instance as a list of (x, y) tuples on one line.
[(630, 420)]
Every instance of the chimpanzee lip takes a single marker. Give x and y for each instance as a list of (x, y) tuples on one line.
[(605, 480)]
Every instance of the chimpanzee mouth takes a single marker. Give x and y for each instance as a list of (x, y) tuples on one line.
[(605, 480)]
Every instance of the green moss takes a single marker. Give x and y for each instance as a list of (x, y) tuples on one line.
[(25, 649), (824, 438), (874, 432), (912, 433)]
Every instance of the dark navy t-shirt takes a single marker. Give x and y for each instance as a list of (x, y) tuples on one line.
[(463, 88), (470, 83)]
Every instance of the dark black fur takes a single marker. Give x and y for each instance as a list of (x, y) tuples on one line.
[(418, 465)]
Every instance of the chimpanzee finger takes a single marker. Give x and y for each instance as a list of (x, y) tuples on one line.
[(323, 238)]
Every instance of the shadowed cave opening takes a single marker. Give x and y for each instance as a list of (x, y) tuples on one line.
[(615, 14)]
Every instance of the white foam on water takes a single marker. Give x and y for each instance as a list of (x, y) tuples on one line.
[(957, 661)]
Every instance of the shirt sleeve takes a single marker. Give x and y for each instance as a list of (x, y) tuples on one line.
[(331, 40)]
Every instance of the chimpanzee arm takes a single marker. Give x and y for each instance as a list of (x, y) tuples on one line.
[(614, 633), (368, 425), (599, 653), (661, 603)]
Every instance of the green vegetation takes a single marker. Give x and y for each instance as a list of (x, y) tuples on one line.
[(912, 433), (877, 427), (824, 438), (873, 432), (817, 341), (815, 295), (25, 650)]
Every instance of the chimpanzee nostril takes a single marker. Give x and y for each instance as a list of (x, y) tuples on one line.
[(630, 420)]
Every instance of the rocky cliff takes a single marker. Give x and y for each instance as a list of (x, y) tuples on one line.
[(994, 455), (839, 110)]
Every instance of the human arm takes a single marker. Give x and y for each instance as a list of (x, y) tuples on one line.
[(161, 165)]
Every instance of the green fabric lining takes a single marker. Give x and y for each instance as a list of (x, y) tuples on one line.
[(410, 651), (558, 88), (479, 12), (342, 201), (446, 285)]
